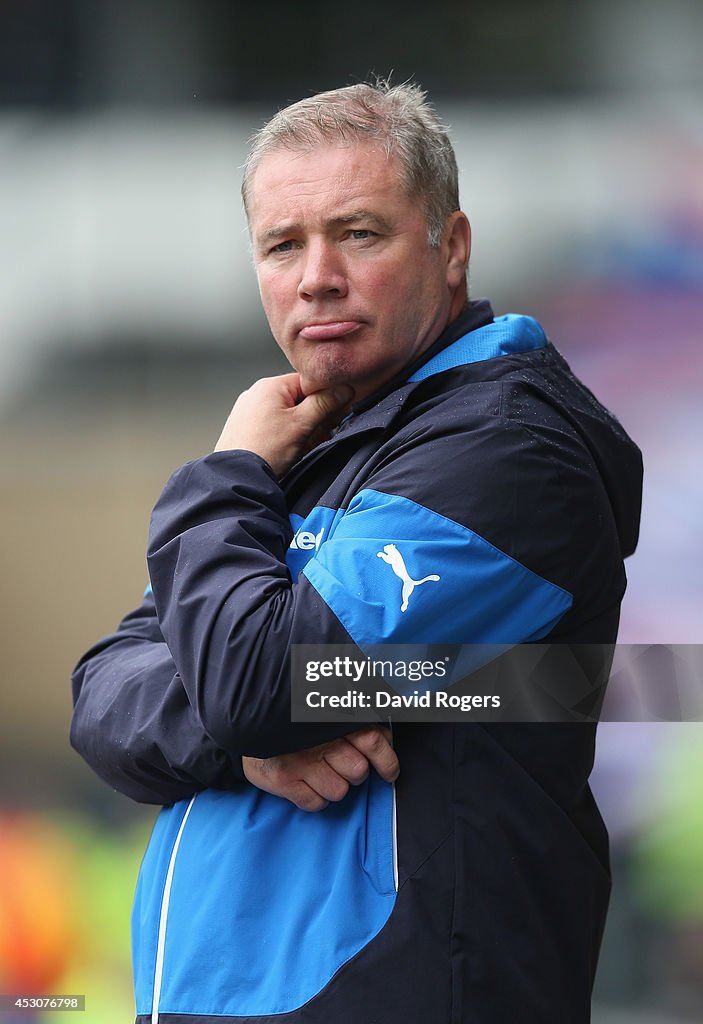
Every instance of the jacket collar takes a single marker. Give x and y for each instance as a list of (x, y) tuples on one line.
[(475, 315), (508, 335), (475, 335)]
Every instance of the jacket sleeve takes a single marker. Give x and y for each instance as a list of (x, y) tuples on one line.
[(228, 607), (133, 723), (230, 611)]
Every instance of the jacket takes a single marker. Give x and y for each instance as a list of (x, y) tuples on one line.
[(474, 889)]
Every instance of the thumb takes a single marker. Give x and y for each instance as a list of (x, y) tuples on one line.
[(326, 404)]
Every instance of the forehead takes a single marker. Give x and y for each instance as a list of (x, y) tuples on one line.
[(326, 181)]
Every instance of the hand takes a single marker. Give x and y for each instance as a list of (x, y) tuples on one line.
[(276, 420), (311, 778)]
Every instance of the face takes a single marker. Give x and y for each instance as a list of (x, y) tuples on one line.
[(350, 286)]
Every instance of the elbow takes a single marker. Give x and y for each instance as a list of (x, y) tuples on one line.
[(245, 728)]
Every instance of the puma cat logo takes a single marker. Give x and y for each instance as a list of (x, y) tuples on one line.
[(393, 557)]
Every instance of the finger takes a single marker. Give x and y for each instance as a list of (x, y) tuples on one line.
[(276, 776), (376, 747), (280, 392), (289, 385), (283, 775), (305, 797), (325, 780), (345, 759), (326, 406)]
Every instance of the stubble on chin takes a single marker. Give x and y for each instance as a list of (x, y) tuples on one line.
[(325, 372)]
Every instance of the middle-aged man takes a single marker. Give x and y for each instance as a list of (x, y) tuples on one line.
[(420, 439)]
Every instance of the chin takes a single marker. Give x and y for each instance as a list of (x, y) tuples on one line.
[(319, 382), (326, 376)]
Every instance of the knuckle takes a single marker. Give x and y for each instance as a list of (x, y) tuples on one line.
[(263, 384), (283, 780), (281, 775), (358, 737), (310, 802), (357, 770), (272, 767), (347, 760), (372, 741), (338, 790)]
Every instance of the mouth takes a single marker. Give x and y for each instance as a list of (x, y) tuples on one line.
[(330, 330)]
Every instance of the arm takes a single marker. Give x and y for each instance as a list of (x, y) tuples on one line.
[(135, 726), (230, 611), (132, 721)]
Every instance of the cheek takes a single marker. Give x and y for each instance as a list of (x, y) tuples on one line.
[(275, 297), (380, 287)]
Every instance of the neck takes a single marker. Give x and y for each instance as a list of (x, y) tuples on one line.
[(459, 302)]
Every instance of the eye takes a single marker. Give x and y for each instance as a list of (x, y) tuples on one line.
[(361, 234), (283, 246)]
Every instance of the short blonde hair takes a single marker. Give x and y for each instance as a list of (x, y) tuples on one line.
[(397, 117)]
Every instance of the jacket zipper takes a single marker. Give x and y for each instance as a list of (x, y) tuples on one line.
[(163, 918), (395, 841), (394, 822)]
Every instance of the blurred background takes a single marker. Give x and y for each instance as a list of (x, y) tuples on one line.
[(129, 322)]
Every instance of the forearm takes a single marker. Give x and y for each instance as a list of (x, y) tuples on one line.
[(133, 724), (227, 606)]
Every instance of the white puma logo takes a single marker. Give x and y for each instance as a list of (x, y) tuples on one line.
[(393, 557)]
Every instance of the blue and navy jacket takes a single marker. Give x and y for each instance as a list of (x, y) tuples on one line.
[(475, 889)]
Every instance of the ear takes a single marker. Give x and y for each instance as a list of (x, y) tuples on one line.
[(458, 243)]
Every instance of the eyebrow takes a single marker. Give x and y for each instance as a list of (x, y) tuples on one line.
[(293, 227)]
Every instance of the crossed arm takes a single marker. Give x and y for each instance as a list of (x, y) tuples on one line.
[(134, 722), (170, 705)]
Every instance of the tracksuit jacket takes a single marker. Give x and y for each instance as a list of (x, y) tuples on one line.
[(473, 890)]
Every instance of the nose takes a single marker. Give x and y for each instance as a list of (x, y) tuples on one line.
[(323, 271)]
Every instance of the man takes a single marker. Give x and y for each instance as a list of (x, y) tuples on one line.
[(416, 427)]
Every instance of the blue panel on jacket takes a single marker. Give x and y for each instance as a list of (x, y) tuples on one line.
[(310, 534), (268, 901), (392, 570), (507, 335)]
